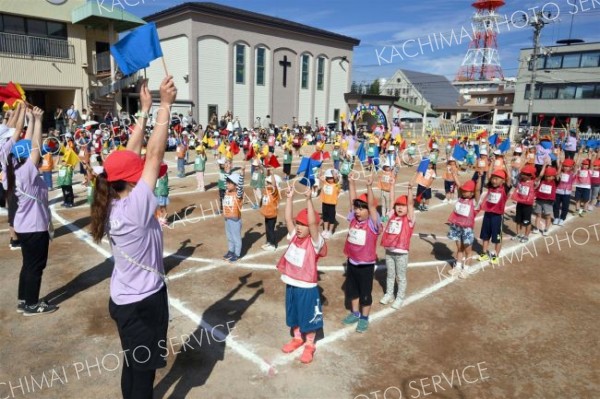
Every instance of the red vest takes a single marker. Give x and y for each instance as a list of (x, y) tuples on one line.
[(495, 200), (583, 177), (464, 213), (361, 242), (595, 177), (397, 233), (546, 190), (300, 260), (524, 193), (565, 181)]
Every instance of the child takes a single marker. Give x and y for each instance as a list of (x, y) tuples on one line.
[(270, 203), (65, 182), (224, 170), (200, 167), (329, 199), (462, 222), (298, 267), (162, 194), (345, 170), (482, 167), (471, 156), (498, 160), (384, 184), (287, 161), (361, 249), (424, 182), (545, 197), (524, 195), (411, 151), (181, 156), (493, 204), (396, 241), (335, 156), (46, 169), (433, 157), (232, 213), (449, 182), (583, 187), (257, 181), (563, 191), (595, 201), (516, 163)]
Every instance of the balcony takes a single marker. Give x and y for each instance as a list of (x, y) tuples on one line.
[(102, 63), (31, 47)]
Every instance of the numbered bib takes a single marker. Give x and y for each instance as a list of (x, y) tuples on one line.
[(523, 190), (357, 236), (497, 162), (335, 153), (462, 209), (265, 199), (228, 201), (564, 177), (328, 190), (81, 154), (394, 227), (546, 189), (62, 172), (481, 164), (90, 190), (45, 162), (295, 255), (222, 176), (583, 174), (494, 198), (595, 173), (385, 178), (197, 161)]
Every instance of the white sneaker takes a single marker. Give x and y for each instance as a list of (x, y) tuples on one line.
[(463, 274), (561, 222), (265, 246), (456, 269), (555, 222), (445, 201), (545, 232), (397, 304), (387, 299), (535, 231)]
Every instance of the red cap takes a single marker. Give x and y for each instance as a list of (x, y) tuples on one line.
[(586, 161), (550, 171), (568, 162), (597, 162), (364, 198), (401, 200), (469, 185), (529, 170), (499, 173), (302, 217), (127, 166)]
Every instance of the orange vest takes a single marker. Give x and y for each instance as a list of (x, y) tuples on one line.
[(385, 180), (181, 150), (270, 202), (232, 205), (482, 165), (499, 163), (449, 173), (47, 163), (427, 179), (329, 193)]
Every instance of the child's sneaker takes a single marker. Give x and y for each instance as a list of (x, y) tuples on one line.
[(41, 308), (555, 221), (517, 237), (580, 212), (308, 353), (387, 299), (561, 222), (351, 319), (265, 246), (362, 326), (524, 239), (234, 258), (445, 201), (464, 273), (535, 231), (494, 260), (228, 255), (397, 304), (545, 232), (291, 346), (484, 257), (20, 306)]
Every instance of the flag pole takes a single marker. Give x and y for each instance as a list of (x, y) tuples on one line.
[(164, 66)]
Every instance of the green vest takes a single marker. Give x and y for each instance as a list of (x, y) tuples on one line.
[(287, 157), (222, 179), (65, 176), (257, 180), (162, 186), (335, 155), (371, 151), (346, 168), (200, 163)]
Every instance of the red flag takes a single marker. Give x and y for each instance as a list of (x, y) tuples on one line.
[(553, 121), (541, 117), (567, 121), (273, 162), (326, 155), (250, 153), (482, 135), (419, 198), (453, 142), (11, 93), (403, 145), (430, 144), (318, 156), (234, 147)]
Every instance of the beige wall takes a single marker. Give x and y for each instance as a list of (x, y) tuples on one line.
[(40, 8)]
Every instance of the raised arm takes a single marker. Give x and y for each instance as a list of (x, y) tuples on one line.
[(371, 198), (156, 144), (351, 188), (30, 124), (36, 139), (411, 203), (313, 227), (289, 209), (18, 121), (136, 138)]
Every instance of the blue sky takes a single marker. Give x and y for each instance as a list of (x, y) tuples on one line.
[(404, 24)]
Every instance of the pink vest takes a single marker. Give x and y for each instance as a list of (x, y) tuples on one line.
[(495, 200), (595, 177), (397, 233), (565, 181), (524, 192), (361, 242), (464, 213), (300, 260), (583, 177), (546, 191)]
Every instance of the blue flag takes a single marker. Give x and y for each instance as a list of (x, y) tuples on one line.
[(546, 144), (423, 166), (136, 50), (361, 153), (459, 153), (593, 144), (307, 166), (476, 147), (492, 139), (504, 146)]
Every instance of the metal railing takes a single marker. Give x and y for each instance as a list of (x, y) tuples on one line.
[(101, 62), (105, 87), (23, 46)]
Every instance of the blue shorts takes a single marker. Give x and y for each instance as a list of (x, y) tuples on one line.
[(303, 308), (462, 234), (491, 228), (426, 191), (582, 194), (449, 186), (163, 201)]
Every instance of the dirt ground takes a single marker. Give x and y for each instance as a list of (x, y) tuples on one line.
[(524, 329)]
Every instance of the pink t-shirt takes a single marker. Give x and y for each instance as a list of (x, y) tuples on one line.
[(136, 233), (32, 193)]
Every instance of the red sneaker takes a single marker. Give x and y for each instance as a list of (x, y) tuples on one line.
[(307, 355), (291, 346)]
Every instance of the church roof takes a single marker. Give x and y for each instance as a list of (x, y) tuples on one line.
[(249, 16)]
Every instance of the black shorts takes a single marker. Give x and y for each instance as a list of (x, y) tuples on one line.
[(13, 204), (425, 191), (359, 282), (524, 213), (328, 211), (287, 168), (491, 228), (449, 186), (143, 330)]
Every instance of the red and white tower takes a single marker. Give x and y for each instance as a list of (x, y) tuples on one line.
[(482, 61)]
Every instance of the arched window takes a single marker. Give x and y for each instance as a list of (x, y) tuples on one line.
[(260, 66), (240, 63)]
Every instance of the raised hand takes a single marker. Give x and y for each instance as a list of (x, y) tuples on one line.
[(168, 91), (145, 96), (290, 192), (37, 113)]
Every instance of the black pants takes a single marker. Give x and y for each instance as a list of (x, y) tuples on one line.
[(34, 248), (270, 230), (561, 206), (345, 183), (68, 195), (359, 282), (221, 196)]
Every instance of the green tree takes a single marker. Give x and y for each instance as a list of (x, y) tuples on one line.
[(374, 88)]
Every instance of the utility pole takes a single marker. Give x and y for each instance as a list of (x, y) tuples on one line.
[(537, 22)]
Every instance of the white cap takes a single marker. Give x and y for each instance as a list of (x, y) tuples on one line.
[(519, 150), (329, 173), (385, 163), (221, 161), (497, 152), (215, 134), (68, 135), (98, 132), (98, 169), (391, 148), (235, 178), (434, 146), (483, 152), (277, 180)]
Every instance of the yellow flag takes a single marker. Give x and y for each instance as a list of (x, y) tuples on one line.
[(221, 148), (70, 157)]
